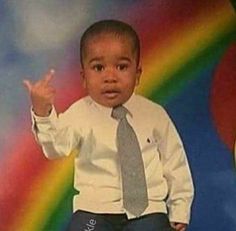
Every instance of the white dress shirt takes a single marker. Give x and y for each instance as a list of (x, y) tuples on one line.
[(89, 128)]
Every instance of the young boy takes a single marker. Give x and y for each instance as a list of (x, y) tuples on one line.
[(111, 68)]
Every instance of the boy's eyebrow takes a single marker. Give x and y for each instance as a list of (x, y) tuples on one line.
[(125, 58), (122, 58), (96, 59)]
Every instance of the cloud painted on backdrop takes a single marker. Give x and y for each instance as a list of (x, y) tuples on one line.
[(41, 25)]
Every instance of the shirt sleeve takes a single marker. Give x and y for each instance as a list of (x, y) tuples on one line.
[(177, 174), (54, 134)]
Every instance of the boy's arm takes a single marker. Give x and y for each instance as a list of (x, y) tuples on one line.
[(178, 176), (53, 134)]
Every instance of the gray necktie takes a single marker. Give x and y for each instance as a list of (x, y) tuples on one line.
[(132, 169)]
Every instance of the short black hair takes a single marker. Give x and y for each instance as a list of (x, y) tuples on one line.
[(110, 26)]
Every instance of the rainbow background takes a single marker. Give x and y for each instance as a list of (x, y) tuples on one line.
[(189, 63)]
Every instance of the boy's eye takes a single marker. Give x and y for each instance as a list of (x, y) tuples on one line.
[(122, 67), (98, 67)]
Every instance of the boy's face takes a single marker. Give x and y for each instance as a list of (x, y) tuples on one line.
[(110, 71)]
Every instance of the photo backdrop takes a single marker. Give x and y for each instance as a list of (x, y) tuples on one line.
[(189, 66)]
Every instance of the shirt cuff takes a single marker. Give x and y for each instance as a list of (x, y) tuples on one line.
[(40, 123), (179, 214), (44, 119)]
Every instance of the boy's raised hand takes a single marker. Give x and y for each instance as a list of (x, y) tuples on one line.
[(42, 94)]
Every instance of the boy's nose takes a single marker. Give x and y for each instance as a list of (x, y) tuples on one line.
[(110, 76)]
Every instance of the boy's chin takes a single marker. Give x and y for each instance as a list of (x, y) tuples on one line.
[(110, 103)]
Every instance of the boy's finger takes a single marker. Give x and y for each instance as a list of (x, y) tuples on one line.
[(49, 76), (27, 84)]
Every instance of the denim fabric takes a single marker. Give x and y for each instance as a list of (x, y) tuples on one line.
[(86, 221)]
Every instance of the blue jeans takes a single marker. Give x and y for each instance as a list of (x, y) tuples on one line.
[(86, 221)]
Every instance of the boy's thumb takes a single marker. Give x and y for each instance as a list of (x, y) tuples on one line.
[(27, 84)]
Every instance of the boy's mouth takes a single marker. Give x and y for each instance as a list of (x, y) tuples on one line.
[(111, 94)]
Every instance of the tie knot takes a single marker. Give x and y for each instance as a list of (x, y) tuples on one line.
[(119, 112)]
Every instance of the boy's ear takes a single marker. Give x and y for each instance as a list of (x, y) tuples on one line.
[(138, 74), (83, 77)]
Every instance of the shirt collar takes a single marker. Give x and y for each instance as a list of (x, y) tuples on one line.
[(129, 105), (108, 110)]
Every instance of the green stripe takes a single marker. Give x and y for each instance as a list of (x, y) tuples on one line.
[(60, 215), (233, 3)]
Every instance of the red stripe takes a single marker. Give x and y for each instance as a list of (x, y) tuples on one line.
[(26, 163)]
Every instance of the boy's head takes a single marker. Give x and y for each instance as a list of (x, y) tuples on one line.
[(113, 27), (110, 63)]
